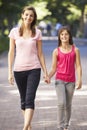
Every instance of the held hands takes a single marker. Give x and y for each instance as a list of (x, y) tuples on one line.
[(46, 78), (11, 78)]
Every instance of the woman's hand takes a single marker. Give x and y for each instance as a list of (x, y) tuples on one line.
[(11, 78)]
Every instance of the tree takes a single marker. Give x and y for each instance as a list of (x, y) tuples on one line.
[(9, 14), (81, 6), (66, 12), (41, 9)]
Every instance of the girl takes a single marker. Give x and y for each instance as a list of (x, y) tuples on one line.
[(65, 59)]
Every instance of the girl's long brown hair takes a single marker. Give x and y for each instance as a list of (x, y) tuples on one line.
[(69, 32), (33, 23)]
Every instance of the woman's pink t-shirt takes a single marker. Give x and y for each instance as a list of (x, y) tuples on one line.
[(66, 66), (26, 57)]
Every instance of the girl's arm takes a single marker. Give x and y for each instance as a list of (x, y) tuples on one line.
[(78, 69), (11, 60), (54, 63)]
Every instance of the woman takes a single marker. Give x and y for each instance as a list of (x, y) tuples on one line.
[(66, 58), (29, 59)]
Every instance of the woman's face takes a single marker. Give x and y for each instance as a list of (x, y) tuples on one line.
[(64, 36), (28, 17)]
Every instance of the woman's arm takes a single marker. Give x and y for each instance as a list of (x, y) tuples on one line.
[(11, 60), (42, 59), (54, 63), (78, 69)]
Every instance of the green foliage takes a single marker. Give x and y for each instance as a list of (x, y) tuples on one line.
[(41, 9), (9, 13), (4, 44), (69, 12), (75, 13)]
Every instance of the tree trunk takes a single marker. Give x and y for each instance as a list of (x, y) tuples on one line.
[(82, 22)]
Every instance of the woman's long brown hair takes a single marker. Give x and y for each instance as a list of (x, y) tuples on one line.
[(32, 24)]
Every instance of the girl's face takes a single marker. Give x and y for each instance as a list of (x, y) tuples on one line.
[(64, 36), (28, 17)]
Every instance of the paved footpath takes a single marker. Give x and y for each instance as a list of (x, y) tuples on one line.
[(45, 116)]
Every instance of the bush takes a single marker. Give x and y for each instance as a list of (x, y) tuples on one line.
[(4, 44)]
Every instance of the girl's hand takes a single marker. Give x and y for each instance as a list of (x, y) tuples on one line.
[(11, 79), (79, 84)]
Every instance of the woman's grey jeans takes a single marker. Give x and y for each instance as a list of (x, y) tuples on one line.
[(64, 91)]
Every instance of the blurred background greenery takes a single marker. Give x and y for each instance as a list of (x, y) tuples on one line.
[(66, 12)]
